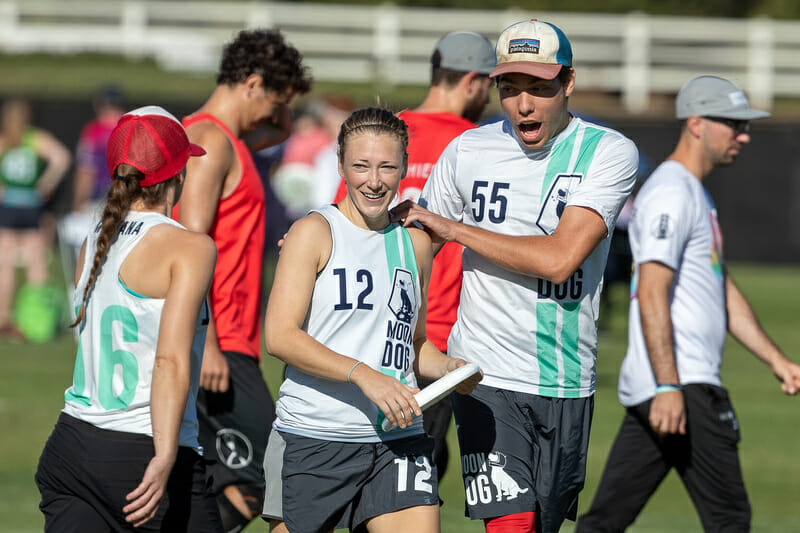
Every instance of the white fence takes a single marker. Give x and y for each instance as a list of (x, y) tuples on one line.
[(635, 55)]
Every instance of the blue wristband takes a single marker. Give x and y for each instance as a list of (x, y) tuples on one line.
[(667, 387)]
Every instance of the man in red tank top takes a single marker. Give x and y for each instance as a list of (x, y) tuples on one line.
[(458, 93), (259, 76)]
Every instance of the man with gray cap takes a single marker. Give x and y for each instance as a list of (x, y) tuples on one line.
[(683, 301), (533, 201)]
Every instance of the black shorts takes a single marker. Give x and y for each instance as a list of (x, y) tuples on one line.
[(332, 485), (85, 473), (706, 458), (20, 217), (522, 452), (234, 425)]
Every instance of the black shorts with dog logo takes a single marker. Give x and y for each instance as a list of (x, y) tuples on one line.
[(522, 452)]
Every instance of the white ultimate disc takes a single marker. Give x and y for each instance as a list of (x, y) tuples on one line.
[(440, 388)]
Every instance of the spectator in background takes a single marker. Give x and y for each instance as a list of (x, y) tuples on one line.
[(92, 179), (683, 302), (248, 110), (334, 111), (32, 163), (307, 177)]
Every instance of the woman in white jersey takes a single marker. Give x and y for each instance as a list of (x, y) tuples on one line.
[(347, 314), (124, 452)]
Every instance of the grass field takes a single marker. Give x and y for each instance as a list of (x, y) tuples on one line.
[(33, 379)]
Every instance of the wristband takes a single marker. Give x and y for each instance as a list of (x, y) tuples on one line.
[(667, 387), (351, 370)]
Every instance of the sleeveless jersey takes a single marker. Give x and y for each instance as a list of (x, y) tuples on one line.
[(529, 334), (364, 305), (117, 343), (428, 135), (674, 222), (20, 169), (238, 231)]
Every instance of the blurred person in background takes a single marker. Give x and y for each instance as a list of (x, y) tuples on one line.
[(260, 74), (92, 179), (307, 177), (32, 163), (683, 303), (124, 454)]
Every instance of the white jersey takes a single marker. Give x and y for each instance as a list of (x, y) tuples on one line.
[(117, 343), (675, 223), (528, 334), (364, 305)]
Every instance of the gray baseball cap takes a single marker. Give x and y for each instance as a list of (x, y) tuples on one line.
[(711, 96), (466, 51)]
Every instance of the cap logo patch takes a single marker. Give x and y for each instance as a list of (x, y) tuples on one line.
[(738, 99), (523, 46)]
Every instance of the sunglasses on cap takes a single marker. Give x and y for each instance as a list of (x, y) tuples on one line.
[(738, 126)]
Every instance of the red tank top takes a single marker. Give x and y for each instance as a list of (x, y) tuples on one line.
[(428, 136), (238, 231)]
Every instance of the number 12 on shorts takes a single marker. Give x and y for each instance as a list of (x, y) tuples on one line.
[(423, 474)]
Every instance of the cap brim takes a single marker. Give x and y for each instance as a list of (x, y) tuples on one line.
[(196, 150), (742, 114), (544, 71)]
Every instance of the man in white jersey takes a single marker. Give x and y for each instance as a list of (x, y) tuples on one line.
[(682, 302), (533, 199)]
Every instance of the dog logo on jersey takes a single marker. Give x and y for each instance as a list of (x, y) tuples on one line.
[(556, 201), (234, 448), (403, 301), (505, 484)]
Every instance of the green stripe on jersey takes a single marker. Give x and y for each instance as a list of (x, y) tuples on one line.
[(546, 317), (392, 248), (559, 162), (570, 333), (399, 250), (554, 353), (591, 139)]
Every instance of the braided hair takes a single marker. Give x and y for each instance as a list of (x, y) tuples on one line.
[(125, 189)]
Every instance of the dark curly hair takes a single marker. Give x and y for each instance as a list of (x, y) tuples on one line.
[(266, 53)]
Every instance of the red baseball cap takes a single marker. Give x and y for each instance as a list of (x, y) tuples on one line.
[(153, 141)]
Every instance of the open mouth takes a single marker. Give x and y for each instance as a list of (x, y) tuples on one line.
[(530, 130), (372, 195)]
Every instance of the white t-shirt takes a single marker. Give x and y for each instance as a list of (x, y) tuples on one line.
[(526, 333), (117, 343), (365, 305), (675, 223)]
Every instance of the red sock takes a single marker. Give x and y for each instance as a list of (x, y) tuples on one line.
[(512, 523)]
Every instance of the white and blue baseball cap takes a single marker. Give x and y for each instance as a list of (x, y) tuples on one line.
[(534, 48)]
